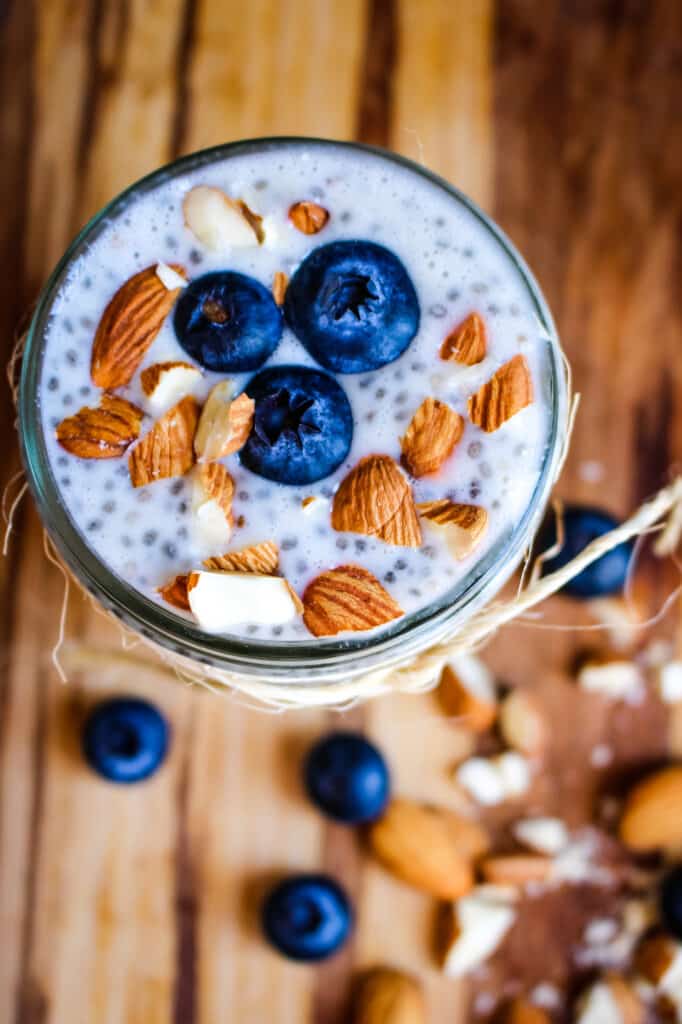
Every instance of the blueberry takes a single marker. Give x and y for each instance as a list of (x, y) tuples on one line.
[(671, 901), (582, 525), (125, 739), (303, 425), (353, 306), (228, 322), (347, 778), (307, 917)]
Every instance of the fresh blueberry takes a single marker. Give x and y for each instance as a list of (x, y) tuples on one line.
[(302, 428), (125, 739), (582, 525), (671, 901), (307, 917), (228, 322), (353, 306), (347, 778)]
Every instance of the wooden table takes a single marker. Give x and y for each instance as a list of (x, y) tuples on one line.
[(137, 906)]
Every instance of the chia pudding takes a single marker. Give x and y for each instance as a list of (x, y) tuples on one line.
[(387, 375)]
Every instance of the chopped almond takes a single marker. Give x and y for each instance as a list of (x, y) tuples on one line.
[(166, 451), (492, 780), (466, 691), (545, 835), (522, 724), (463, 526), (612, 677), (375, 499), (260, 558), (610, 1001), (348, 598), (507, 392), (221, 600), (225, 423), (431, 437), (308, 217), (466, 344), (165, 384), (220, 222), (477, 925), (103, 432), (658, 959), (169, 277), (212, 504), (175, 592), (516, 869), (280, 283)]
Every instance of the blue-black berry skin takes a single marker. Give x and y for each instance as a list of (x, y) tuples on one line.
[(671, 901), (347, 778), (352, 304), (125, 739), (307, 917), (583, 524), (228, 322)]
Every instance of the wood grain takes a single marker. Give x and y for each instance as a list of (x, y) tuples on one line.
[(141, 906)]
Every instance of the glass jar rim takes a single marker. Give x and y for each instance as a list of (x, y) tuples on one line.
[(317, 659)]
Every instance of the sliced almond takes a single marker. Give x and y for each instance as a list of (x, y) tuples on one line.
[(129, 325), (522, 724), (431, 437), (492, 780), (166, 451), (466, 344), (103, 432), (165, 384), (347, 598), (375, 499), (308, 217), (610, 1001), (466, 691), (212, 504), (221, 600), (170, 278), (507, 392), (463, 526), (220, 222), (520, 1011), (475, 927), (420, 845), (516, 869), (259, 558), (175, 592), (652, 815), (280, 283), (225, 423), (387, 996), (545, 835), (612, 677)]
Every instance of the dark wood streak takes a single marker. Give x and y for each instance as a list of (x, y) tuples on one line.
[(183, 64), (185, 999), (373, 121)]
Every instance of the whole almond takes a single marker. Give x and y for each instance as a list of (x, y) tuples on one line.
[(431, 437), (466, 344), (388, 996), (520, 1011), (506, 393), (103, 432), (175, 592), (129, 325), (347, 598), (260, 558), (375, 499), (652, 816), (167, 450), (308, 217)]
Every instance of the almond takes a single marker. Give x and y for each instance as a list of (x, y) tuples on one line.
[(492, 780), (431, 436), (225, 423), (516, 869), (466, 691), (175, 592), (387, 996), (655, 956), (506, 393), (420, 845), (308, 217), (522, 724), (165, 384), (129, 325), (610, 676), (103, 432), (669, 682), (375, 499), (259, 558), (475, 927), (463, 526), (221, 600), (466, 343), (280, 283), (544, 835), (347, 598), (212, 504), (520, 1011), (610, 1001), (220, 222), (652, 816), (170, 278), (166, 451)]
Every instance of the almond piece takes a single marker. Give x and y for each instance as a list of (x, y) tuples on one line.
[(466, 691), (308, 217), (280, 283), (225, 423), (420, 845), (430, 438), (387, 996), (507, 392), (221, 600), (669, 682), (166, 451), (129, 325), (610, 1001), (220, 222), (516, 869), (520, 1011), (522, 724), (544, 835), (175, 592), (212, 504), (611, 677), (169, 278), (165, 384), (103, 432), (655, 956), (375, 499), (466, 344), (260, 558), (347, 598), (652, 816), (492, 780), (463, 526), (475, 927)]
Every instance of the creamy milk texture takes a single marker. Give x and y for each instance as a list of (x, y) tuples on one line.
[(147, 536)]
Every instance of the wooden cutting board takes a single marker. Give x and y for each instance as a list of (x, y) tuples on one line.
[(137, 906)]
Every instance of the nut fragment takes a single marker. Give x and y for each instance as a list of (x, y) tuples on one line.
[(347, 598), (388, 996), (166, 451), (308, 217), (431, 437), (170, 278), (545, 835), (103, 432), (611, 677), (658, 958), (508, 391), (375, 499), (165, 384), (463, 526), (466, 691), (260, 558), (516, 869), (280, 283), (475, 927), (129, 325), (610, 1001), (225, 423), (212, 504), (520, 1011), (221, 600), (218, 221), (492, 780), (466, 343), (669, 682), (175, 592), (522, 724), (652, 816)]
